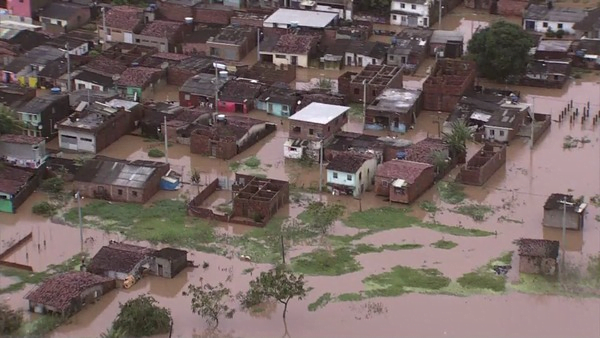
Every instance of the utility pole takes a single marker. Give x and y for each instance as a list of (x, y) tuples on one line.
[(532, 113), (104, 25), (166, 142), (321, 171), (78, 195), (440, 14), (364, 102), (258, 45), (217, 90), (68, 68), (563, 243), (282, 250)]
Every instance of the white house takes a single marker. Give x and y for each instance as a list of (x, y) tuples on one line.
[(364, 53), (23, 150), (289, 18), (290, 49), (541, 18), (351, 173), (414, 13)]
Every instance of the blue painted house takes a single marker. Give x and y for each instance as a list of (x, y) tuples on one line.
[(279, 101), (351, 173)]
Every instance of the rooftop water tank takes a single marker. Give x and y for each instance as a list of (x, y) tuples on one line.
[(55, 90), (221, 117), (223, 74), (189, 20)]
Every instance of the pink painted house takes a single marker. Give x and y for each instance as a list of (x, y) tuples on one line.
[(25, 8), (238, 96)]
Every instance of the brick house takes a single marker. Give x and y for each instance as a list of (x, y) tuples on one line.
[(199, 90), (373, 78), (249, 19), (195, 42), (296, 49), (177, 10), (96, 127), (394, 110), (25, 8), (403, 181), (232, 43), (553, 50), (448, 82), (228, 136), (312, 128), (163, 35), (62, 17), (482, 165), (118, 260), (547, 73), (122, 22), (319, 96), (212, 14), (447, 44), (258, 198), (239, 95), (538, 256), (111, 179), (553, 212), (99, 74), (409, 48), (137, 82), (23, 150)]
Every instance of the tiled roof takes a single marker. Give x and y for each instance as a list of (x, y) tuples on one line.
[(21, 139), (124, 17), (406, 170), (347, 162), (13, 179), (161, 29), (295, 44), (137, 76), (118, 257)]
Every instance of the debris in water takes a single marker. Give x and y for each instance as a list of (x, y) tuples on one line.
[(570, 142)]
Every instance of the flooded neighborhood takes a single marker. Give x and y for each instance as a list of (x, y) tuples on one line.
[(301, 169)]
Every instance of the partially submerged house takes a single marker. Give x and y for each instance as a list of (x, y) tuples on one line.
[(589, 27), (553, 50), (558, 204), (482, 165), (586, 53), (232, 43), (312, 128), (99, 74), (195, 42), (448, 82), (138, 82), (258, 198), (423, 151), (363, 53), (23, 150), (163, 35), (228, 136), (351, 173), (538, 256), (547, 73), (239, 95), (16, 185), (120, 260), (120, 180), (546, 17), (446, 44), (384, 148), (394, 110), (290, 49), (414, 13), (403, 181), (200, 90), (168, 262), (279, 101), (369, 83), (409, 48), (67, 293), (41, 114)]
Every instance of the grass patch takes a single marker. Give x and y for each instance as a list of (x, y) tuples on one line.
[(398, 247), (484, 278), (165, 221), (155, 153), (455, 231), (450, 192), (428, 206), (356, 109), (41, 326), (323, 262), (44, 209), (381, 219), (349, 297), (402, 279), (234, 166), (443, 244), (477, 212), (247, 271), (323, 300), (252, 162)]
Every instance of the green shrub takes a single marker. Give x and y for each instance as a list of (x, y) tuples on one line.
[(44, 209), (54, 185), (155, 153)]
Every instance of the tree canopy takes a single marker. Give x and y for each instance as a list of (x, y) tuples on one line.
[(141, 317), (210, 302), (9, 122), (278, 284), (458, 137), (10, 320), (501, 50)]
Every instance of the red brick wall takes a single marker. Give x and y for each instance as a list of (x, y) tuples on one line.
[(413, 191), (175, 12), (201, 144), (326, 131), (512, 7), (214, 16), (478, 176)]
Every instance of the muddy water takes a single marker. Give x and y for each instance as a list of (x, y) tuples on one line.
[(468, 21)]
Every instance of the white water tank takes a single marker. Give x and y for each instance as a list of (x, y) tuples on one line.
[(189, 20), (221, 117), (223, 74)]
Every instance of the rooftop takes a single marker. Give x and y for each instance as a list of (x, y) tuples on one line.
[(503, 118), (233, 127), (557, 14), (554, 46), (124, 17), (14, 94), (170, 56), (295, 44), (202, 84), (235, 35), (376, 74), (116, 172), (118, 257), (407, 46), (62, 10), (265, 72), (313, 19), (319, 113), (39, 103), (374, 49), (161, 29), (91, 118), (422, 151), (319, 97), (21, 139), (95, 78), (40, 55), (60, 291), (554, 203), (590, 22), (196, 64), (538, 248), (240, 90), (347, 162), (86, 95), (170, 253), (120, 103), (414, 33), (28, 40), (440, 37), (201, 35), (280, 95), (13, 179), (137, 76), (400, 169), (348, 141), (396, 100), (105, 66)]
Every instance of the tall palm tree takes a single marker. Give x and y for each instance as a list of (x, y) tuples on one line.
[(457, 138)]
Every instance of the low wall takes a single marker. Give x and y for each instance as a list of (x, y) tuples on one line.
[(15, 246), (543, 122), (479, 175), (16, 266)]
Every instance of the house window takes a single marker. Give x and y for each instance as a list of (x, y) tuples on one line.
[(335, 175), (311, 131), (108, 31), (187, 96), (560, 26), (297, 129), (501, 132), (545, 24), (492, 132), (374, 61), (394, 17), (360, 176), (391, 57), (34, 117), (213, 51), (384, 184), (280, 56), (413, 6), (137, 40), (402, 5), (356, 91), (120, 192), (134, 193), (374, 93), (400, 191), (349, 177), (285, 108), (86, 139)]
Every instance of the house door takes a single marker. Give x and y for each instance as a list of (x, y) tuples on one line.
[(213, 149), (294, 60), (270, 108), (529, 25), (348, 60), (413, 21), (403, 59), (425, 22), (160, 269), (359, 62), (128, 37)]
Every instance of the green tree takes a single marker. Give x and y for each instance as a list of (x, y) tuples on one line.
[(458, 137), (440, 161), (10, 320), (112, 333), (9, 122), (54, 185), (277, 284), (501, 50), (320, 216), (210, 302), (141, 317)]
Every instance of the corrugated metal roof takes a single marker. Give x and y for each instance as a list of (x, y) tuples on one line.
[(115, 173), (313, 19)]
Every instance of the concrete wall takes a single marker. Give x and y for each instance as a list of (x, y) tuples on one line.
[(286, 59), (543, 26), (383, 187), (301, 130), (479, 169), (554, 219), (538, 265), (24, 155), (220, 16)]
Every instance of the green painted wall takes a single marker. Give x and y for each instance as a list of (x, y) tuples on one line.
[(6, 206), (132, 90)]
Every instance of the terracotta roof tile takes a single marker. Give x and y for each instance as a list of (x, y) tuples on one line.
[(406, 170), (124, 17)]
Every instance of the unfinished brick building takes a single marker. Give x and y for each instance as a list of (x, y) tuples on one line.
[(258, 198), (482, 165), (448, 82), (375, 78), (538, 256)]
